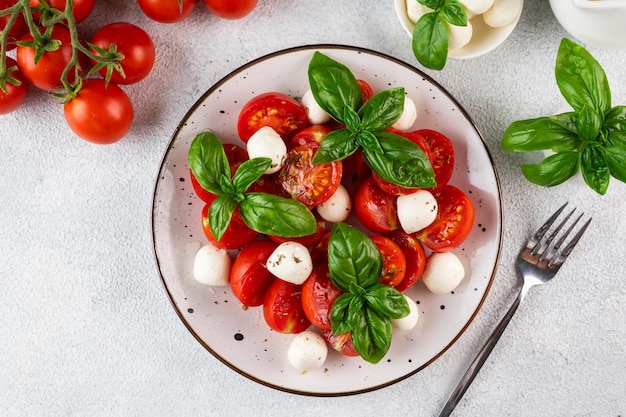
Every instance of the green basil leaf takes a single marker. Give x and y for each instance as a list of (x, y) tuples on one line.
[(273, 215), (594, 169), (372, 338), (615, 125), (339, 314), (336, 145), (250, 171), (580, 78), (454, 13), (368, 140), (589, 123), (553, 170), (402, 162), (615, 158), (387, 301), (333, 86), (542, 133), (356, 312), (352, 258), (207, 160), (220, 214), (430, 41), (382, 110), (433, 4), (351, 119)]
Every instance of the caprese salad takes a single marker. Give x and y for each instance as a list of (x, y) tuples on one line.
[(335, 209)]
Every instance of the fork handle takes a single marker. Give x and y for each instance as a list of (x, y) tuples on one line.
[(481, 357)]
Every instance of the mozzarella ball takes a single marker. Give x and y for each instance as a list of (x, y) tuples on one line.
[(410, 321), (307, 351), (476, 6), (459, 36), (416, 210), (211, 266), (415, 10), (291, 262), (337, 208), (265, 142), (443, 273), (315, 114), (502, 12), (409, 114)]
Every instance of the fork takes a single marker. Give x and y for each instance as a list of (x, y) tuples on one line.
[(538, 262)]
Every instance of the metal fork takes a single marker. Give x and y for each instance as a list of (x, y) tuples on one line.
[(538, 262)]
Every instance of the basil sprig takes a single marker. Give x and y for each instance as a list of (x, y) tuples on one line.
[(591, 138), (394, 158), (366, 307), (430, 33), (262, 212)]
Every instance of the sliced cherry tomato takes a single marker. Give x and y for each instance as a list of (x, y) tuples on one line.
[(309, 183), (356, 170), (230, 9), (318, 296), (319, 252), (249, 278), (282, 308), (314, 133), (81, 9), (135, 47), (277, 110), (19, 27), (342, 343), (236, 155), (15, 94), (366, 90), (376, 209), (453, 223), (167, 11), (310, 240), (442, 155), (394, 261), (237, 233), (415, 258)]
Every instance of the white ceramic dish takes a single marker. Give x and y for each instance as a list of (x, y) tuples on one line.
[(484, 39), (239, 337)]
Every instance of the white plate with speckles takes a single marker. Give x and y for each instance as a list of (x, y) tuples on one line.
[(239, 337)]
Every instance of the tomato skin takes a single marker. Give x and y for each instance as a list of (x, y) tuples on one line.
[(81, 9), (394, 261), (318, 296), (314, 133), (99, 113), (415, 256), (237, 233), (136, 46), (282, 308), (366, 90), (277, 110), (167, 11), (442, 155), (308, 241), (342, 343), (453, 222), (15, 94), (230, 9), (19, 27), (376, 209), (249, 278)]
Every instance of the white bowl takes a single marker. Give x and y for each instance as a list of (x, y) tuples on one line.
[(484, 39)]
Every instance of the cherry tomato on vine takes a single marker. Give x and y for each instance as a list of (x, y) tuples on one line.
[(318, 296), (230, 9), (81, 9), (167, 11), (14, 95), (99, 113), (277, 110), (442, 155), (282, 307), (415, 258), (133, 44), (237, 233), (249, 278), (376, 209), (19, 27), (394, 261)]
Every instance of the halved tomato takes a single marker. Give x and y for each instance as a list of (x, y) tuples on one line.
[(318, 296), (237, 233), (282, 308), (249, 278), (342, 343), (376, 209), (442, 155), (314, 133), (394, 261), (415, 256), (277, 110)]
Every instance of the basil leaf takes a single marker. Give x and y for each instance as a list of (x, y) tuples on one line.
[(368, 140), (615, 125), (333, 86), (339, 314), (372, 337), (553, 170), (615, 158), (382, 110), (594, 169), (356, 310), (588, 124), (250, 171), (207, 160), (402, 162), (430, 41), (352, 120), (273, 215), (542, 133), (387, 301), (352, 258), (336, 145), (454, 13), (220, 214), (433, 4), (580, 78)]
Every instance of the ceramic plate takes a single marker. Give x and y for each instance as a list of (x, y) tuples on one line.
[(239, 337)]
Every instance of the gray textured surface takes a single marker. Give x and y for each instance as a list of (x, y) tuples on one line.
[(87, 329)]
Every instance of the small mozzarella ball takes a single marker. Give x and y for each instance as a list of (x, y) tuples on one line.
[(502, 13), (443, 273), (416, 210), (315, 114), (211, 266), (337, 208), (291, 262), (459, 36), (265, 142), (410, 321), (307, 351), (476, 6), (415, 10), (409, 114)]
